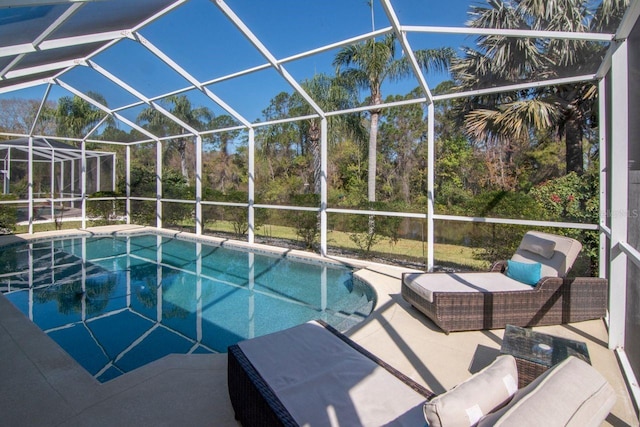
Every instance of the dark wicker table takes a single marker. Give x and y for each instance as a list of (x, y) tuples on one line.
[(536, 352)]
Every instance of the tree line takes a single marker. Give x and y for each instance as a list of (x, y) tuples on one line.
[(528, 153)]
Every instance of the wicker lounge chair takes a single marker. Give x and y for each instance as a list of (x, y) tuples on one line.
[(491, 300)]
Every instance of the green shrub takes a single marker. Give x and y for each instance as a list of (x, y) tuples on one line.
[(306, 223), (105, 210), (499, 241), (367, 230), (8, 215), (573, 198)]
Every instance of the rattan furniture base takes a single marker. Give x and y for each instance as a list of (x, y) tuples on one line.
[(536, 352), (256, 404), (553, 301)]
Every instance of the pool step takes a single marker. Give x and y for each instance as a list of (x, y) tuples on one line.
[(343, 320)]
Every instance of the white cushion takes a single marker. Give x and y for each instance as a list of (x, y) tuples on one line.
[(538, 245), (322, 381), (571, 394), (468, 402), (425, 284)]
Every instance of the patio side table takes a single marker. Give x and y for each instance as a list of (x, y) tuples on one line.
[(535, 352)]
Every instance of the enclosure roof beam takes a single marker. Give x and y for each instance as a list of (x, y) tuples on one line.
[(516, 87), (628, 20), (51, 66), (40, 107), (191, 79), (277, 65), (406, 47), (71, 10), (596, 37), (140, 96), (268, 65), (23, 48), (105, 109)]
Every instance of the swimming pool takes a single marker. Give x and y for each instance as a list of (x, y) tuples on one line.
[(116, 303)]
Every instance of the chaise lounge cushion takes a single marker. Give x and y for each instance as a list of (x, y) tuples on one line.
[(425, 284), (572, 394), (541, 245), (532, 249), (321, 381), (482, 393)]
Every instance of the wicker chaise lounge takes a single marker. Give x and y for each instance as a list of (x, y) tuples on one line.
[(491, 300)]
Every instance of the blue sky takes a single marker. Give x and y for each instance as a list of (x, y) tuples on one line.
[(200, 38)]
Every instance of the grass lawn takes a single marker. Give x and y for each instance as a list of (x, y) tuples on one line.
[(404, 250)]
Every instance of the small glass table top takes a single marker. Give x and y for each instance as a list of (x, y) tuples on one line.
[(540, 348)]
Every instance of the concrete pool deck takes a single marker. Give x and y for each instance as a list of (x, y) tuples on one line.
[(40, 384)]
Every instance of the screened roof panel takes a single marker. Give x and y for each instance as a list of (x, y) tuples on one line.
[(450, 13), (220, 48), (20, 25), (192, 108), (103, 16), (98, 87), (141, 70), (252, 93), (44, 57), (134, 115), (305, 25), (39, 78)]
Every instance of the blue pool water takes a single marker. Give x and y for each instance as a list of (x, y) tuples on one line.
[(117, 303)]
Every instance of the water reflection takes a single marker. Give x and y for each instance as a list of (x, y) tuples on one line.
[(116, 304)]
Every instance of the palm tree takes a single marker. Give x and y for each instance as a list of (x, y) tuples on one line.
[(75, 117), (367, 65), (222, 141), (568, 109), (161, 125), (330, 94)]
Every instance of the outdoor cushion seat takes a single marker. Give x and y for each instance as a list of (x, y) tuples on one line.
[(491, 300), (313, 375)]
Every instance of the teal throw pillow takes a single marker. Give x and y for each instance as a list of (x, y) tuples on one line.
[(524, 272)]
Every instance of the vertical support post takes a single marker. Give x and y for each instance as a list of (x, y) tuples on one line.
[(252, 296), (53, 184), (73, 182), (128, 183), (159, 184), (128, 272), (198, 293), (31, 277), (113, 172), (603, 154), (30, 182), (430, 182), (619, 205), (323, 186), (98, 173), (252, 183), (61, 189), (199, 219), (83, 283), (83, 183), (7, 176), (159, 279)]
